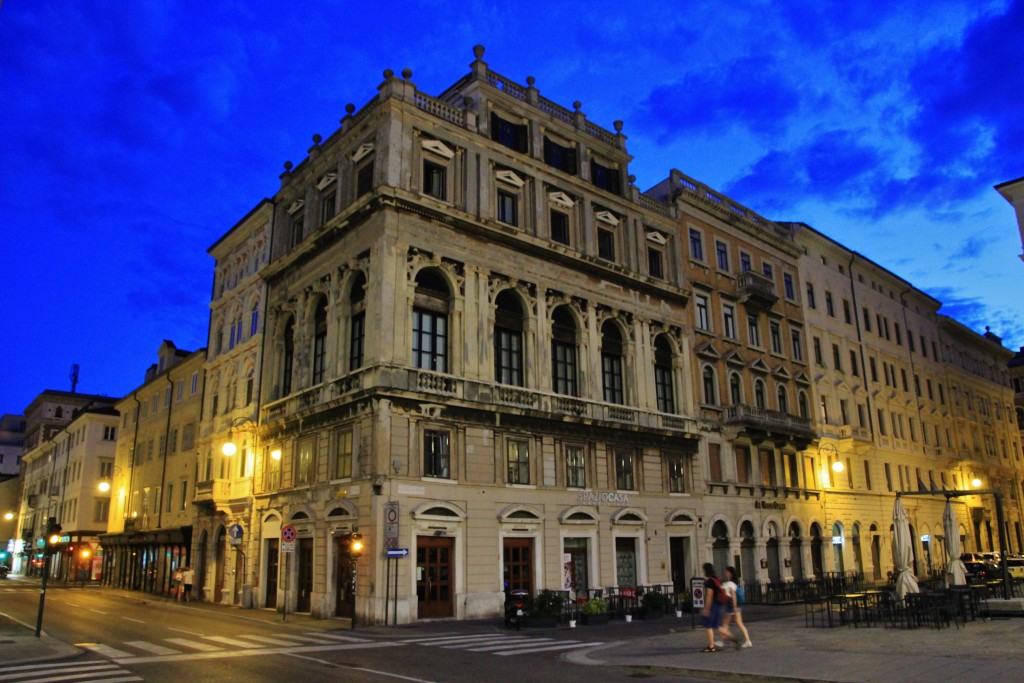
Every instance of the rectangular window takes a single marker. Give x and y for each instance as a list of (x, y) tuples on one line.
[(357, 340), (179, 391), (508, 208), (899, 335), (837, 358), (606, 244), (854, 365), (847, 316), (109, 433), (903, 379), (298, 227), (888, 477), (703, 313), (575, 467), (327, 207), (775, 335), (364, 179), (677, 474), (508, 356), (816, 343), (664, 389), (722, 255), (560, 227), (430, 340), (305, 463), (829, 307), (862, 415), (743, 470), (101, 510), (787, 286), (563, 368), (729, 321), (560, 157), (881, 423), (867, 320), (798, 346), (714, 462), (184, 495), (611, 377), (511, 135), (605, 177), (436, 454), (910, 341), (696, 245), (655, 263), (624, 474), (810, 296), (518, 462), (745, 262), (753, 331), (873, 368), (342, 453), (169, 498), (844, 411), (195, 384), (435, 180)]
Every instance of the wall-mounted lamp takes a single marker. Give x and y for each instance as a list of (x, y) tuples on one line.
[(276, 454), (764, 563), (976, 483)]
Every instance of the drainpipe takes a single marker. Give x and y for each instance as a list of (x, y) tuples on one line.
[(163, 470), (860, 340)]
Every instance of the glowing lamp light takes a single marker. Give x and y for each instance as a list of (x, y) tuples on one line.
[(55, 539), (229, 448), (8, 516), (276, 454), (837, 466), (104, 486), (976, 483), (85, 554)]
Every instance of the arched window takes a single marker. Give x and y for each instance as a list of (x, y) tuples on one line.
[(611, 363), (508, 339), (664, 387), (735, 389), (430, 322), (759, 398), (783, 397), (710, 394), (254, 319), (288, 360), (801, 405), (319, 340), (249, 382), (564, 368), (357, 322)]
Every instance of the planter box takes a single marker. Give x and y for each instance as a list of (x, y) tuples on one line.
[(593, 619)]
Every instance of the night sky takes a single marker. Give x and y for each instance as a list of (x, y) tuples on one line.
[(134, 134)]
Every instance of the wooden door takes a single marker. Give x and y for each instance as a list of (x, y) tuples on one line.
[(435, 580), (343, 578), (517, 564), (305, 583), (271, 576)]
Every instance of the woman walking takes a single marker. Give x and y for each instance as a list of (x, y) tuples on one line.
[(733, 613), (714, 599)]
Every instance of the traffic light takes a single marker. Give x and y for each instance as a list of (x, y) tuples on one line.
[(355, 548), (53, 530), (3, 556)]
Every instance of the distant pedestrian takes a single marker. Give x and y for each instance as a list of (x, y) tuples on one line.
[(733, 612), (714, 600), (176, 584), (187, 578)]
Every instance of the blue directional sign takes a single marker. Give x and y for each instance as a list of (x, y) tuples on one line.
[(397, 552)]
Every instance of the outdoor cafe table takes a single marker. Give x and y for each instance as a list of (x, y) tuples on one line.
[(854, 608)]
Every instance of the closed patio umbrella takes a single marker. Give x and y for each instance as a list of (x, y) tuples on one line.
[(902, 551), (956, 573)]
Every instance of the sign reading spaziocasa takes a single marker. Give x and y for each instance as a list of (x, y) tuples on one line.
[(596, 498)]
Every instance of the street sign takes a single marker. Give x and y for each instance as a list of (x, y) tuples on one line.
[(288, 533), (288, 547), (697, 590), (397, 552), (235, 531), (391, 525)]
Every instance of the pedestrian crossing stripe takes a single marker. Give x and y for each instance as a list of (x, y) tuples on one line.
[(192, 644), (83, 672)]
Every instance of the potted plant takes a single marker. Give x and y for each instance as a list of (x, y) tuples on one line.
[(594, 612), (545, 610), (653, 605)]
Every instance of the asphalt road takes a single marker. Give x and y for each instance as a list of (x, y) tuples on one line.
[(128, 638)]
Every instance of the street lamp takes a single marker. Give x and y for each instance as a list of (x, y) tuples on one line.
[(229, 448), (8, 516), (104, 485), (976, 483)]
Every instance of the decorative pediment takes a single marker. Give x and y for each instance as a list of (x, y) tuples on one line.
[(734, 358), (801, 378), (758, 365), (656, 237), (509, 178), (296, 205), (438, 148), (607, 217), (561, 199), (707, 350), (362, 152), (781, 371), (326, 180)]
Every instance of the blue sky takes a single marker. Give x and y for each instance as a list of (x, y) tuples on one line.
[(131, 139)]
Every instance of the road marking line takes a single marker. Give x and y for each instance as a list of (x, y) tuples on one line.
[(232, 641), (191, 633), (495, 645), (334, 636), (568, 646), (106, 650), (268, 639), (202, 647), (360, 668), (73, 604), (45, 669), (455, 639), (115, 680), (97, 611), (55, 665), (229, 654), (137, 621), (151, 648), (66, 677)]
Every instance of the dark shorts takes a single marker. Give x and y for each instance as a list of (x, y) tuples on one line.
[(714, 619)]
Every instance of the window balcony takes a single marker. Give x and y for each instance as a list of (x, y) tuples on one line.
[(756, 291), (772, 421), (855, 433), (221, 493)]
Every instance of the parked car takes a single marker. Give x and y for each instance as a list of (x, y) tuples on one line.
[(1015, 565), (982, 571)]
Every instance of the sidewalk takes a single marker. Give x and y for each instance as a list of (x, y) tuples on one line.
[(19, 644), (785, 650)]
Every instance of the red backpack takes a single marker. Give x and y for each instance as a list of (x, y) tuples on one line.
[(716, 586)]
